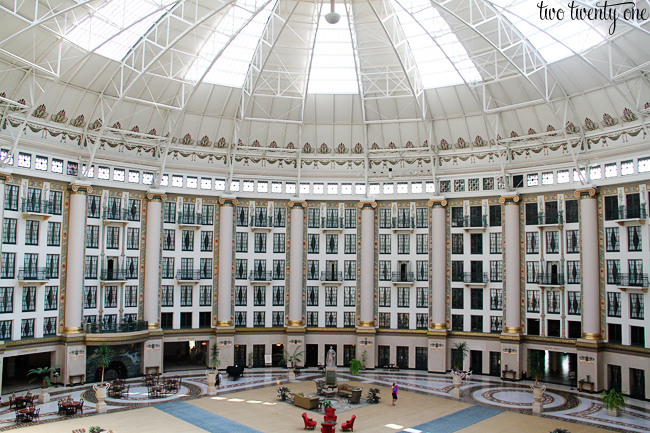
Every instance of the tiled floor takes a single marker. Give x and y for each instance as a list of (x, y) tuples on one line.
[(425, 405)]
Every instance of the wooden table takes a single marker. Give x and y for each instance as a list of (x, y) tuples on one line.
[(505, 373), (329, 393), (28, 413), (328, 426), (582, 384), (71, 406)]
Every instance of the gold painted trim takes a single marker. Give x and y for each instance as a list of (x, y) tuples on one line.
[(366, 324), (362, 204), (72, 330), (509, 199), (228, 201), (512, 329), (585, 193), (156, 196), (153, 326), (438, 326), (81, 189), (437, 203), (293, 204), (592, 336), (224, 323), (5, 177), (294, 322)]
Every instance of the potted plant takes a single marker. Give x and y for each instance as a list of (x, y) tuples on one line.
[(355, 366), (373, 395), (43, 373), (614, 401), (213, 362), (536, 371), (95, 429), (330, 410), (283, 392), (250, 359), (364, 359), (104, 355), (291, 360)]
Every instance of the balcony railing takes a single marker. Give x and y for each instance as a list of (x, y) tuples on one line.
[(38, 206), (550, 279), (258, 221), (113, 274), (188, 274), (331, 276), (632, 212), (403, 223), (331, 223), (550, 218), (120, 215), (100, 328), (630, 280), (403, 277), (475, 277), (189, 218), (260, 276), (469, 221), (34, 274)]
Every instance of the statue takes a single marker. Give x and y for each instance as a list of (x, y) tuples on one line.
[(330, 367)]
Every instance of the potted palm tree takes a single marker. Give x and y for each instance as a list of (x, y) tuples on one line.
[(536, 371), (103, 355), (614, 401), (458, 355), (43, 373), (214, 362), (291, 360)]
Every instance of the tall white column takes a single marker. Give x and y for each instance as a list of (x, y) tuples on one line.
[(75, 261), (152, 258), (367, 258), (590, 264), (438, 264), (4, 177), (513, 265), (296, 265), (224, 299)]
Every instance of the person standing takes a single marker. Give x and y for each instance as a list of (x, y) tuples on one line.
[(219, 379), (394, 390)]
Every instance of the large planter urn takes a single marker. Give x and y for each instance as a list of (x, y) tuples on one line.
[(100, 394), (291, 375), (212, 381), (614, 412), (458, 380), (44, 396), (538, 394)]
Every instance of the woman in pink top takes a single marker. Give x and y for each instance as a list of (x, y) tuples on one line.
[(395, 389)]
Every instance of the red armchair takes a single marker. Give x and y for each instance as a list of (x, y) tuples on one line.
[(349, 424), (309, 423)]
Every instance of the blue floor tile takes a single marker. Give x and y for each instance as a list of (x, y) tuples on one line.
[(458, 420), (202, 418)]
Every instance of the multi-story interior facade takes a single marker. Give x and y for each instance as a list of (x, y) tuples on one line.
[(415, 175)]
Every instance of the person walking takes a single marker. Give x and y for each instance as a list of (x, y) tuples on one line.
[(394, 390), (219, 379)]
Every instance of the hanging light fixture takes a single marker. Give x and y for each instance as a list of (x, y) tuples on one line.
[(332, 17)]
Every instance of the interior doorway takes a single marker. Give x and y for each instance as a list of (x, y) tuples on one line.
[(476, 361), (495, 363), (311, 355), (277, 353)]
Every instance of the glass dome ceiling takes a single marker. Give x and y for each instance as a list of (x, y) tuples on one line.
[(418, 83)]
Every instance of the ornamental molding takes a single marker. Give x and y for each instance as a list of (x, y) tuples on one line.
[(156, 196), (437, 203), (81, 189), (228, 201), (509, 199), (585, 193), (296, 204), (364, 204)]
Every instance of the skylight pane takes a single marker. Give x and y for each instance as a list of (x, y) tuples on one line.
[(435, 58), (231, 67), (113, 16), (332, 68), (554, 39)]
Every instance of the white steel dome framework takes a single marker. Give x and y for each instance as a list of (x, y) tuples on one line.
[(248, 87)]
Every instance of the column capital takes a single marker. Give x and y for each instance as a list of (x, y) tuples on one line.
[(80, 188), (437, 202), (6, 177), (367, 204), (297, 204), (586, 192), (156, 195), (509, 199), (228, 201)]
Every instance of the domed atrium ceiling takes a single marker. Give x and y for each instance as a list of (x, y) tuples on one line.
[(427, 88)]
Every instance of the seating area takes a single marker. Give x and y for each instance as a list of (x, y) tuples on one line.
[(69, 406), (305, 402), (158, 387), (118, 388)]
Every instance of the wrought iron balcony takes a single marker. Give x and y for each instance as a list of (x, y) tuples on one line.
[(117, 214), (188, 274), (331, 276), (629, 280), (101, 328), (475, 277), (260, 276), (331, 223), (38, 206), (189, 218), (113, 274), (632, 212), (260, 221), (34, 274), (403, 223), (550, 279), (403, 277), (550, 218)]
